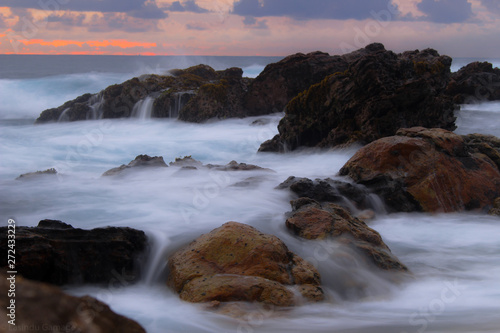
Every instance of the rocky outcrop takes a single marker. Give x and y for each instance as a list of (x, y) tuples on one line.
[(236, 262), (477, 82), (140, 162), (496, 208), (57, 253), (377, 94), (37, 174), (312, 220), (431, 170), (42, 307)]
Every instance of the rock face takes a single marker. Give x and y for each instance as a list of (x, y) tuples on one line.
[(474, 83), (55, 252), (431, 170), (236, 262), (141, 161), (41, 307), (377, 94), (312, 220)]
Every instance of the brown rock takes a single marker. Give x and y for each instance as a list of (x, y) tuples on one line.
[(430, 170), (42, 307), (312, 220), (236, 262), (496, 208), (141, 161)]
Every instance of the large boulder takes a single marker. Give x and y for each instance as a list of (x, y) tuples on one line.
[(474, 83), (431, 170), (377, 94), (41, 307), (55, 252), (236, 262), (313, 220)]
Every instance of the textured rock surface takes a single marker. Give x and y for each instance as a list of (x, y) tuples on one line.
[(379, 93), (236, 262), (312, 220), (37, 174), (57, 253), (496, 208), (141, 161), (42, 307), (430, 170)]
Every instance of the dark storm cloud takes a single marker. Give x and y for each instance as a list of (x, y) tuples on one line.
[(80, 5), (492, 5), (149, 11), (446, 11), (186, 6), (311, 9)]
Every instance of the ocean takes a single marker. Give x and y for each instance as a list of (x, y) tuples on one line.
[(454, 258)]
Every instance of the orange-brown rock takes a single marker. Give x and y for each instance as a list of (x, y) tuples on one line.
[(42, 307), (312, 220), (236, 262), (430, 170)]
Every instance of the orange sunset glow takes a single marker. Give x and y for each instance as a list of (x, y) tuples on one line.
[(246, 27)]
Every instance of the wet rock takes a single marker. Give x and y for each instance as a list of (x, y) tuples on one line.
[(55, 252), (42, 307), (312, 220), (236, 262), (378, 93), (431, 170), (186, 161), (37, 174), (140, 162), (477, 82), (235, 166), (496, 208)]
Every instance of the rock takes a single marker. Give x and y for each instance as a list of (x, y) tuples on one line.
[(329, 190), (236, 262), (280, 82), (235, 166), (37, 174), (57, 253), (141, 161), (42, 307), (312, 220), (496, 208), (76, 109), (431, 170), (273, 145), (377, 94), (186, 161), (474, 83)]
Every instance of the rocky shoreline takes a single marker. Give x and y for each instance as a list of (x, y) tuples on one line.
[(400, 107)]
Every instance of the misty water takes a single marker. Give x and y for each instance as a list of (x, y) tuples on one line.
[(454, 258)]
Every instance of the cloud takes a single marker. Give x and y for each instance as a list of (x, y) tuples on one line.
[(120, 21), (492, 5), (186, 6), (198, 27), (69, 19), (73, 5), (252, 22), (311, 9), (149, 11), (445, 11)]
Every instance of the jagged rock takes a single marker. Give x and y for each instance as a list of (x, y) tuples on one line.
[(37, 174), (42, 307), (141, 161), (312, 220), (235, 166), (477, 82), (236, 262), (280, 82), (379, 93), (186, 161), (429, 170), (329, 190), (57, 253)]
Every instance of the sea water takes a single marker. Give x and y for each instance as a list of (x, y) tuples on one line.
[(454, 258)]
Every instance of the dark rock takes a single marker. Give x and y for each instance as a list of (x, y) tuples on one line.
[(376, 95), (236, 262), (312, 220), (80, 103), (42, 307), (186, 161), (37, 174), (141, 161), (55, 252), (463, 177), (235, 166), (274, 145), (496, 208), (477, 82)]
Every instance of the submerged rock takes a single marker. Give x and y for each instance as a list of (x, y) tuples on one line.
[(431, 170), (55, 252), (236, 262), (378, 93), (39, 306), (312, 220), (37, 174), (141, 161)]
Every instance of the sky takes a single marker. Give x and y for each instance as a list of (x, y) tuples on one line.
[(459, 28)]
